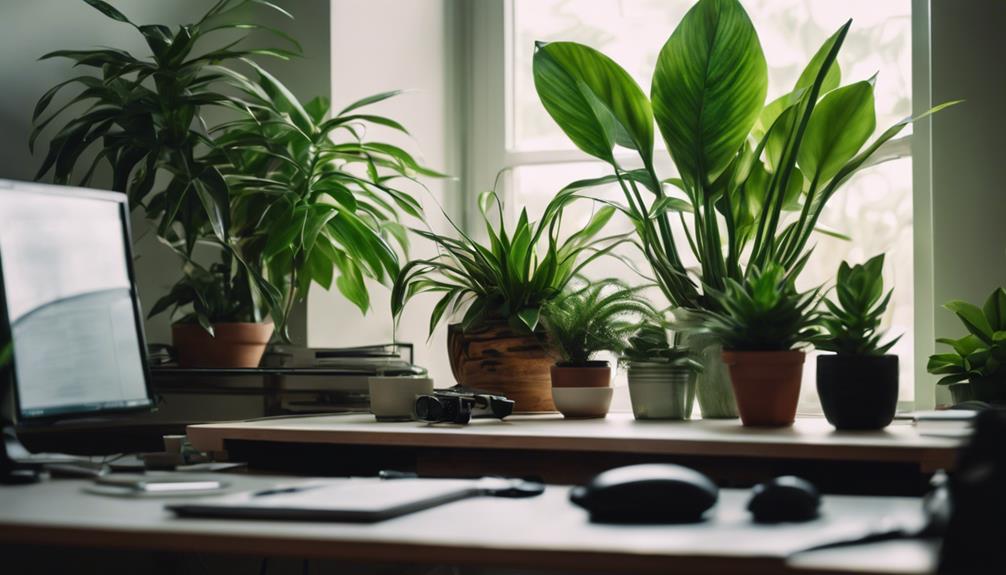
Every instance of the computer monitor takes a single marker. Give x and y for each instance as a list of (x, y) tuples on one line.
[(69, 303)]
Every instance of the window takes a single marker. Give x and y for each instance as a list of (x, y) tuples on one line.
[(874, 208)]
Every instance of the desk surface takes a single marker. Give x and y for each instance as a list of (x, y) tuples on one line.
[(540, 533), (810, 438)]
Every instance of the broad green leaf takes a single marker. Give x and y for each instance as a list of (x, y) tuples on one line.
[(973, 318), (709, 86), (841, 123), (593, 100), (834, 76), (995, 309), (530, 317)]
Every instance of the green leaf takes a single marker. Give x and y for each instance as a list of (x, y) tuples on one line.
[(368, 101), (841, 123), (108, 10), (973, 318), (593, 100), (995, 310), (709, 86), (529, 317)]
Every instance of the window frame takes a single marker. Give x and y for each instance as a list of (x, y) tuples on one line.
[(488, 138)]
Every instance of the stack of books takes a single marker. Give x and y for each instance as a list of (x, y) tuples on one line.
[(945, 422)]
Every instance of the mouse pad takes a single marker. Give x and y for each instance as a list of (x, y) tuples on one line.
[(355, 500)]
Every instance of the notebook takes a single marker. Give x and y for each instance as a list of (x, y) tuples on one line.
[(355, 500)]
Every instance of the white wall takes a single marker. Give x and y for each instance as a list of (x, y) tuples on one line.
[(968, 156), (380, 45), (31, 29)]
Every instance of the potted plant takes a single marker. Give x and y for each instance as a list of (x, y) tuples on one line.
[(858, 382), (280, 199), (661, 376), (763, 321), (973, 368), (744, 165), (579, 325), (500, 287)]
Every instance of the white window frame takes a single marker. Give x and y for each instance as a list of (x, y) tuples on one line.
[(488, 142)]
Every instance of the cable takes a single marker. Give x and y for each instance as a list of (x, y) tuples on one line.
[(264, 567)]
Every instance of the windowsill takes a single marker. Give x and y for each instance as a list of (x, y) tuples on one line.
[(810, 438)]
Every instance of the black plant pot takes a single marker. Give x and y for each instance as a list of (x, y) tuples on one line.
[(858, 392)]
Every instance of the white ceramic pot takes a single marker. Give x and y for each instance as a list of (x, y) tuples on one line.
[(582, 402)]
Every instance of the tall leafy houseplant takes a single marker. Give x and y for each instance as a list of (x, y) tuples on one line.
[(145, 117), (742, 164), (313, 200), (858, 383), (501, 287)]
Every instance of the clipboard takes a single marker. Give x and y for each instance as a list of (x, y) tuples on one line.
[(352, 500)]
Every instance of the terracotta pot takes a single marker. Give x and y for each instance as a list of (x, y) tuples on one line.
[(496, 359), (235, 345), (766, 385), (597, 374)]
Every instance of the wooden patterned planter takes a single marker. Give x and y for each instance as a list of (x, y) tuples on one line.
[(496, 359)]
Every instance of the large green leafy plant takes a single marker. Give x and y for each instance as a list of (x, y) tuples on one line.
[(310, 206), (144, 116), (980, 354), (851, 324), (597, 317), (765, 312), (510, 278), (742, 164)]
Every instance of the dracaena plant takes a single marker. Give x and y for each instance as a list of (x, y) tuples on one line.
[(314, 200), (851, 323), (597, 317), (650, 344), (764, 312), (144, 117), (511, 277), (743, 165), (982, 352)]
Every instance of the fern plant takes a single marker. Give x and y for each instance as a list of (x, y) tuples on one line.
[(598, 317), (650, 344), (851, 324), (764, 313)]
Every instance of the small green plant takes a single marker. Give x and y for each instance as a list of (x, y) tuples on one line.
[(851, 325), (982, 352), (598, 317), (209, 296), (511, 278), (764, 313), (650, 344)]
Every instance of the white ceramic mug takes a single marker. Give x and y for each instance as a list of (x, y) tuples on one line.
[(394, 398)]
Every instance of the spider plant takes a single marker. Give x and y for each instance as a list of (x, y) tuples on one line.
[(512, 277), (851, 324), (742, 164), (144, 115), (597, 317), (314, 201)]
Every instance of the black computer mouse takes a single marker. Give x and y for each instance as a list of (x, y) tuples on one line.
[(649, 493), (784, 499)]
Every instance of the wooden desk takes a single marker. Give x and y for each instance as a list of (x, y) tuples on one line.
[(540, 533), (569, 451)]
